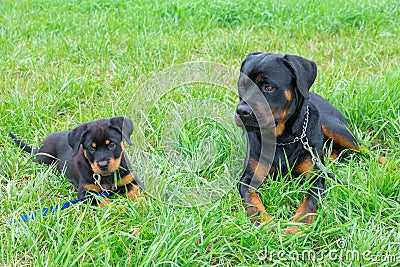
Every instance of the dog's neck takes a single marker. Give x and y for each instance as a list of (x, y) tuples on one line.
[(294, 125)]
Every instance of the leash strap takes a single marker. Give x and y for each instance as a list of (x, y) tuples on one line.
[(53, 209), (315, 159)]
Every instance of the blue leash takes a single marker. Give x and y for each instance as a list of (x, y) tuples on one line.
[(53, 209)]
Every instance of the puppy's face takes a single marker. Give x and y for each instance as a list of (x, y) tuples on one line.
[(274, 79), (102, 142), (103, 149)]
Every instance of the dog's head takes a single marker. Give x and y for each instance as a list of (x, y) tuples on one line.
[(282, 80), (102, 142)]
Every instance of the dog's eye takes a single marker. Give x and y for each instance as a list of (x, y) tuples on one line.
[(268, 88), (111, 146), (91, 149)]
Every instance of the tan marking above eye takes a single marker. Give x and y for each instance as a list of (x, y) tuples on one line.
[(245, 83), (260, 79), (108, 142), (94, 145)]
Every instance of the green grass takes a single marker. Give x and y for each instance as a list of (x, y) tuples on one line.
[(66, 62)]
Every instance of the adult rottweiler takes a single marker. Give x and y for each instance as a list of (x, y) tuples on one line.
[(91, 156), (302, 123)]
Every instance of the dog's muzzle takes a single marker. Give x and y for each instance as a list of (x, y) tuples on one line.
[(245, 118), (103, 165), (243, 110), (254, 120)]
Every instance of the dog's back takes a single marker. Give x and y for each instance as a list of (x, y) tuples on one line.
[(54, 148)]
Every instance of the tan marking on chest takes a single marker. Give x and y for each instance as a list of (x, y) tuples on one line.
[(304, 166), (127, 179), (259, 170)]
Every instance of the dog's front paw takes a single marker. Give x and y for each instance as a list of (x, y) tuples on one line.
[(292, 230), (104, 202)]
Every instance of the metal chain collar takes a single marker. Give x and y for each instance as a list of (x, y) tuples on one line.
[(303, 138), (306, 146), (303, 132), (97, 181)]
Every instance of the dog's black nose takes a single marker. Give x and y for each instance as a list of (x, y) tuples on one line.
[(243, 110), (103, 164)]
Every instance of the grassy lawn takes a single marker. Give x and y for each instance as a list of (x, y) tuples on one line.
[(63, 63)]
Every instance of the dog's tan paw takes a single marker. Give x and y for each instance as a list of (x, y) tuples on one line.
[(292, 230)]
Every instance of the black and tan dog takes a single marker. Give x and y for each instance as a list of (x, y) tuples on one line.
[(299, 117), (91, 156)]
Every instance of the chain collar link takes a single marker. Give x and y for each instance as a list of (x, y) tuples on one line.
[(306, 146), (303, 132), (97, 181)]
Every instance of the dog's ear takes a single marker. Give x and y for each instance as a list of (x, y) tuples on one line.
[(76, 136), (304, 71), (124, 126)]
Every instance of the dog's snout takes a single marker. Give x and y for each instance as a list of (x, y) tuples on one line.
[(243, 110), (103, 164)]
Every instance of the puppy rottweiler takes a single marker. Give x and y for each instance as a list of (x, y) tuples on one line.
[(302, 123), (91, 156)]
